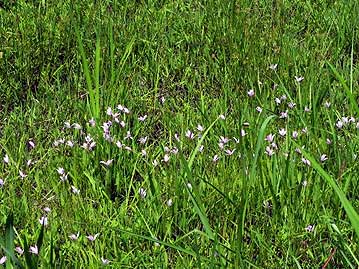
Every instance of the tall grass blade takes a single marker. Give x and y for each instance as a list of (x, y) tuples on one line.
[(348, 92), (352, 214)]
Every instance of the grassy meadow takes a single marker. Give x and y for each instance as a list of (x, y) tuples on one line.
[(179, 134)]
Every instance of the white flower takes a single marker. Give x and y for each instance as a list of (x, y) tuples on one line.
[(269, 151), (60, 171), (273, 66), (298, 79), (189, 134), (142, 118), (251, 93), (75, 190), (22, 174), (230, 152), (109, 111), (107, 163), (142, 192), (282, 132), (104, 261), (19, 250), (76, 126), (169, 202), (166, 158), (323, 157), (6, 159), (200, 128), (43, 221), (259, 109), (310, 228), (142, 140), (3, 260), (306, 161)]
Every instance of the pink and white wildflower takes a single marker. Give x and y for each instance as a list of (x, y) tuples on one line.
[(19, 250), (3, 260), (34, 250), (75, 190), (323, 158), (306, 161), (142, 118), (269, 151), (189, 134), (251, 93), (74, 237), (92, 237), (269, 138)]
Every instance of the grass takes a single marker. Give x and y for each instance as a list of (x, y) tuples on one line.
[(184, 71)]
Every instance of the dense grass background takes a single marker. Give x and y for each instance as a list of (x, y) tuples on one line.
[(181, 63)]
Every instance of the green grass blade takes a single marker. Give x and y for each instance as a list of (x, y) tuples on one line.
[(348, 92), (352, 214)]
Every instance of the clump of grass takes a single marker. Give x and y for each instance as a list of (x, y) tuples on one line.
[(178, 134)]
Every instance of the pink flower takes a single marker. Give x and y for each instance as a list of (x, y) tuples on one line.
[(269, 138), (2, 182), (215, 158), (251, 93), (269, 151), (295, 134), (92, 122), (306, 161), (19, 250), (283, 115), (92, 237), (47, 209), (34, 250), (259, 109), (142, 118), (3, 260), (74, 237), (310, 228), (230, 152)]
